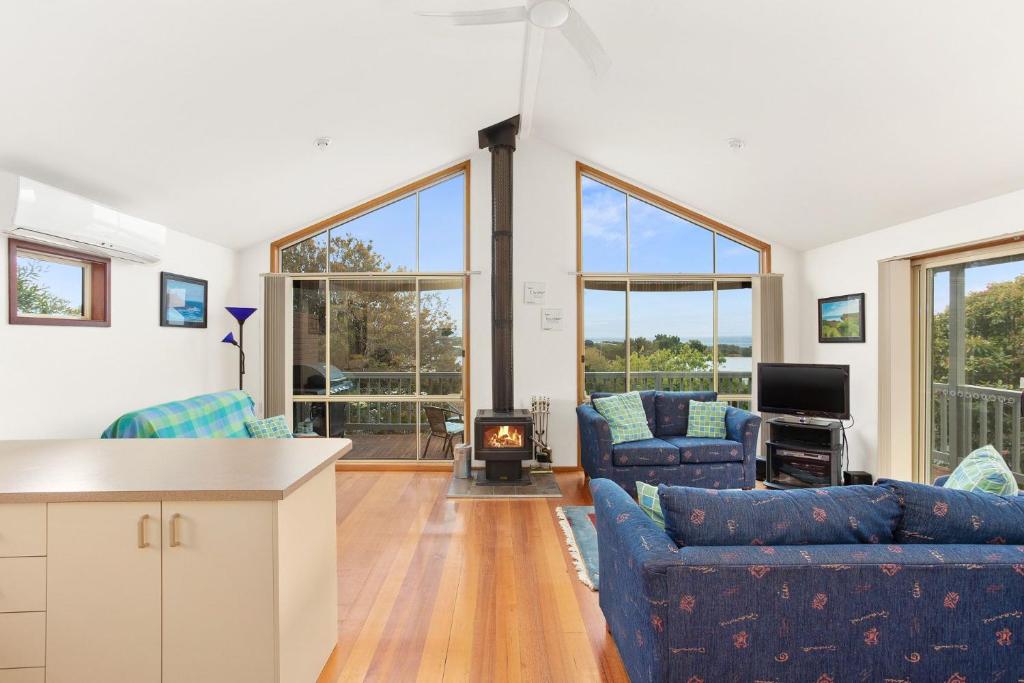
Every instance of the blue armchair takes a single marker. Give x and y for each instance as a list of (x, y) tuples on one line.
[(671, 457)]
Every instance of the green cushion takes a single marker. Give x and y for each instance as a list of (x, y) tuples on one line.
[(271, 428), (983, 470), (707, 419), (647, 496), (625, 415)]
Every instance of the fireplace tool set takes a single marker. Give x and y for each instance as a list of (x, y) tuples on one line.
[(540, 407)]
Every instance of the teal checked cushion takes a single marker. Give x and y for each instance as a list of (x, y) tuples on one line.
[(271, 428), (707, 419), (625, 415), (983, 470), (647, 496)]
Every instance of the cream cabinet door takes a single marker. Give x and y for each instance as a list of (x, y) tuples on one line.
[(103, 593), (218, 592)]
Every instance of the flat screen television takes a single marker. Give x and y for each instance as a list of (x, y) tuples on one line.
[(803, 389)]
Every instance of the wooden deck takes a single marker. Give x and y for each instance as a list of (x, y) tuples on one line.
[(433, 589), (392, 447)]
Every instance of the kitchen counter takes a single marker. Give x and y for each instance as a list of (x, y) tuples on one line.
[(117, 470)]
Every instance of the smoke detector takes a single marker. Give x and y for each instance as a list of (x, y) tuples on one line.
[(323, 143), (736, 144)]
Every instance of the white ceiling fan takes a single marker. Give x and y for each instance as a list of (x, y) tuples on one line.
[(540, 16)]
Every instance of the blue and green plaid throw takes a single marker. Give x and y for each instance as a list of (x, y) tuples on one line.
[(210, 416), (707, 419), (625, 415), (270, 428), (647, 496)]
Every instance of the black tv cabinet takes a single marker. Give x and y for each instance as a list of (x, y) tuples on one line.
[(804, 454)]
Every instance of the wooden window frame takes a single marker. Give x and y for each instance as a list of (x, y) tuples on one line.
[(325, 225), (96, 297)]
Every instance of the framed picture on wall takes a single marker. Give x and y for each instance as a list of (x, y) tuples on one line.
[(841, 319), (182, 301)]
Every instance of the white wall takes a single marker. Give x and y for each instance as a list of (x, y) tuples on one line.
[(545, 251), (851, 266), (74, 381)]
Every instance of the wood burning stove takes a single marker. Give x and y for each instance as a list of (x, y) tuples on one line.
[(503, 440), (504, 435)]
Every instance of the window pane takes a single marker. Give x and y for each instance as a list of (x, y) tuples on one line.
[(308, 256), (603, 227), (383, 240), (671, 333), (373, 336), (309, 376), (604, 335), (733, 257), (441, 349), (380, 430), (743, 404), (48, 287), (442, 427), (309, 419), (662, 242), (735, 337), (443, 226)]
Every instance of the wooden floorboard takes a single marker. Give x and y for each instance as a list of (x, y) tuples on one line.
[(437, 589)]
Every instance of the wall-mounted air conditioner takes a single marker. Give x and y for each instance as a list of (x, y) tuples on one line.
[(46, 214)]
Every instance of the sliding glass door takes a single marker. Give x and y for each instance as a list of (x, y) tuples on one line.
[(971, 358)]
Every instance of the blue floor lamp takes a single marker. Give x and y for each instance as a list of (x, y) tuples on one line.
[(240, 314)]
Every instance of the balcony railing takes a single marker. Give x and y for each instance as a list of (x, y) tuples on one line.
[(729, 382), (966, 417)]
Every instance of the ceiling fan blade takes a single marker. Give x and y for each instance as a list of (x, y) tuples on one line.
[(533, 51), (586, 43), (502, 15)]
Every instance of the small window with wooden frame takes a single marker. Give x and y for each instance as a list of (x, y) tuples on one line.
[(49, 285)]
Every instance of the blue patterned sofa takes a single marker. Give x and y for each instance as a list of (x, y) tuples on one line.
[(906, 609), (671, 457)]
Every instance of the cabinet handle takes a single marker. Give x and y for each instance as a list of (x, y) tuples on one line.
[(143, 543), (174, 542)]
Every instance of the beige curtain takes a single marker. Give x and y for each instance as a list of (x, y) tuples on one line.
[(768, 333), (895, 371), (275, 288)]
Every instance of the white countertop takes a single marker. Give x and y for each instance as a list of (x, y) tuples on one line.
[(67, 470)]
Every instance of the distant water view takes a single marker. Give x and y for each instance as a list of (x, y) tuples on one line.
[(729, 363)]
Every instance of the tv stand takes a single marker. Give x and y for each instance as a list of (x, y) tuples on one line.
[(803, 453)]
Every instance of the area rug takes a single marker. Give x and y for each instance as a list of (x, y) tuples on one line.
[(544, 486), (577, 522)]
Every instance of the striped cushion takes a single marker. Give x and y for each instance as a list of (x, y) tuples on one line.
[(210, 416), (707, 419), (270, 428)]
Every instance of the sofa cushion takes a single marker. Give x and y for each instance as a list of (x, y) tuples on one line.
[(694, 450), (269, 428), (934, 514), (645, 452), (823, 516), (625, 415), (647, 497), (707, 419), (646, 397), (672, 410), (983, 470)]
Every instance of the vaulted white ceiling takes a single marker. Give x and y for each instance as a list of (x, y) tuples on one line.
[(202, 115)]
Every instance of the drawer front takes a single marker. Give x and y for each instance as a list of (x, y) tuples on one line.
[(22, 640), (22, 529), (34, 675), (22, 584)]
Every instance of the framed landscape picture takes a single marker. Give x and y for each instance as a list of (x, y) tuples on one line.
[(841, 319), (182, 301)]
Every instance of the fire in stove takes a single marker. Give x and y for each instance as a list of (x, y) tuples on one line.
[(503, 436)]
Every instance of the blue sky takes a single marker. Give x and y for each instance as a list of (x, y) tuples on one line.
[(976, 279), (60, 279)]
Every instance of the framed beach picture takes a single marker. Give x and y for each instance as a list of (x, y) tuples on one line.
[(182, 301), (841, 319)]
